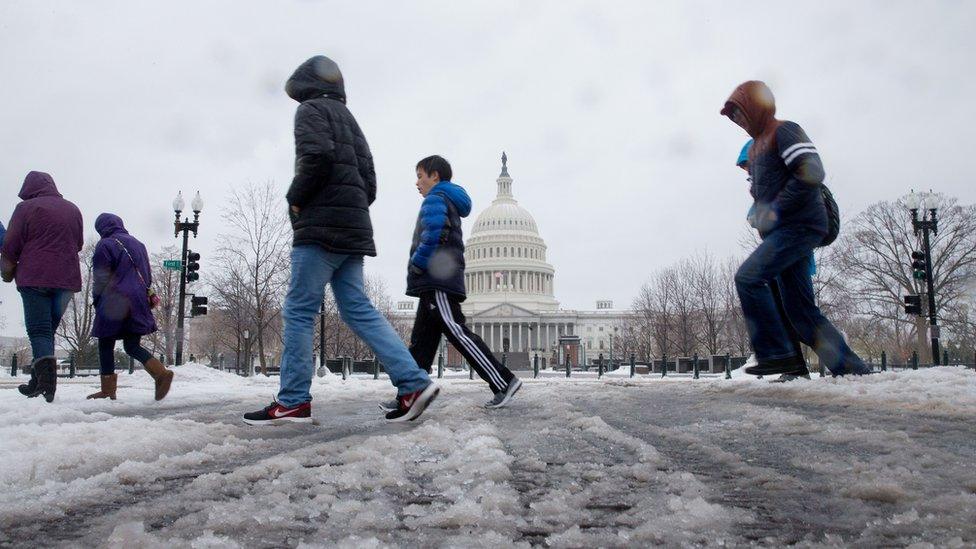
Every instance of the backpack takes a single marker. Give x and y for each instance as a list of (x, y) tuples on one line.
[(833, 217)]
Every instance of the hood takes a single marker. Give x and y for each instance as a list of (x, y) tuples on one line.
[(457, 195), (38, 184), (756, 101), (108, 224), (314, 78)]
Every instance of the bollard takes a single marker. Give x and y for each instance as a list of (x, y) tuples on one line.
[(914, 360), (535, 365), (13, 365), (567, 364), (884, 361), (599, 372), (728, 366), (633, 365), (664, 365), (695, 365), (945, 357), (822, 372), (376, 368), (342, 362), (440, 365)]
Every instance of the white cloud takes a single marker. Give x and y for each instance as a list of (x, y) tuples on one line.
[(609, 112)]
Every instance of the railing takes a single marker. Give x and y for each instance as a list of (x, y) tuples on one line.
[(697, 367)]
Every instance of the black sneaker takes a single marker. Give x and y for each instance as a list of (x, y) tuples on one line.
[(389, 405), (410, 406), (502, 398), (278, 414), (794, 365)]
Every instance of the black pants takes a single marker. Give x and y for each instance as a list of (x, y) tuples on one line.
[(440, 313), (132, 346)]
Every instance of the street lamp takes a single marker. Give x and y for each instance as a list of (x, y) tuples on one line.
[(927, 223), (186, 227)]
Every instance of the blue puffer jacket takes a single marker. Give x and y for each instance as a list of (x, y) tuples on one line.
[(437, 253)]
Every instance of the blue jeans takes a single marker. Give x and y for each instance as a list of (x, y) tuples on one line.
[(784, 256), (810, 325), (43, 309), (311, 269)]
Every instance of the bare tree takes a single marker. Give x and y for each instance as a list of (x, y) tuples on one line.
[(229, 307), (254, 258), (166, 284), (706, 288), (654, 308), (735, 332), (686, 314), (76, 325), (874, 257)]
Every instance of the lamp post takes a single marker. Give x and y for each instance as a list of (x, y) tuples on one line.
[(247, 353), (927, 223), (186, 227)]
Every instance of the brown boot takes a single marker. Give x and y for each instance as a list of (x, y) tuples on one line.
[(162, 376), (109, 384)]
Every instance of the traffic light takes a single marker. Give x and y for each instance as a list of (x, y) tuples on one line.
[(918, 265), (192, 266), (913, 305), (198, 305)]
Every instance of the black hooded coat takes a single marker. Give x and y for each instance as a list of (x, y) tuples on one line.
[(335, 181)]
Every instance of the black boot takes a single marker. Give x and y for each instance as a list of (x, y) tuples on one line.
[(29, 389), (46, 371), (794, 365)]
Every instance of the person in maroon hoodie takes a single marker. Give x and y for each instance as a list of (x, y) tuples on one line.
[(40, 251)]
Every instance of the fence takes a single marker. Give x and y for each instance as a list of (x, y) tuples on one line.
[(713, 366)]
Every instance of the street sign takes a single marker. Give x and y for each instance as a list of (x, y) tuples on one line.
[(172, 264)]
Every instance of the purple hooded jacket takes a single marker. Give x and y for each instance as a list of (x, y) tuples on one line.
[(120, 282), (44, 237)]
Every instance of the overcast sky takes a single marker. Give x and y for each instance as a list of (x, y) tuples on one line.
[(608, 112)]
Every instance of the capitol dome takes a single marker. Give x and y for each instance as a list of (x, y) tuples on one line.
[(506, 256)]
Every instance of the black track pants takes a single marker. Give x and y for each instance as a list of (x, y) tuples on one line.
[(440, 313)]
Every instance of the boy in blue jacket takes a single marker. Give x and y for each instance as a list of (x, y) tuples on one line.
[(436, 276)]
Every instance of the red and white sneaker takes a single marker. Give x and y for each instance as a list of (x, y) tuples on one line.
[(278, 414), (413, 404)]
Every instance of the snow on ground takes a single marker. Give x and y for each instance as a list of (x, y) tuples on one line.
[(882, 460)]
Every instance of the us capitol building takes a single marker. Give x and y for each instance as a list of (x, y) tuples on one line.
[(511, 299)]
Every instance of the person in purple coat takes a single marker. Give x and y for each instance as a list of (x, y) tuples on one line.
[(121, 283), (40, 251)]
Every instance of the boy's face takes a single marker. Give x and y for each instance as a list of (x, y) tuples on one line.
[(426, 182)]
